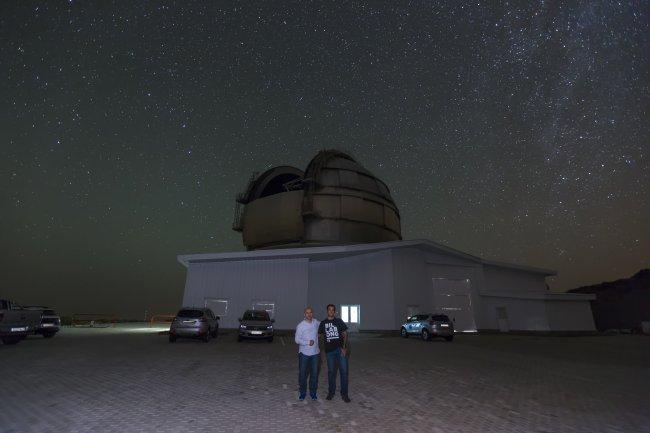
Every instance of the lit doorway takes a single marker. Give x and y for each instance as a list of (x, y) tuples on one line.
[(351, 315)]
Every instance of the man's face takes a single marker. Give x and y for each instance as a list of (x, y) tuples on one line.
[(309, 314), (331, 311)]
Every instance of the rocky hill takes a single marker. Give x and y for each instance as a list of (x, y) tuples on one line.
[(621, 304)]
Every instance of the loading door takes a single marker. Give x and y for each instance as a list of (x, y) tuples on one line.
[(453, 298)]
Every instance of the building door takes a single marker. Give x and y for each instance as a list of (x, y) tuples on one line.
[(453, 298), (351, 315)]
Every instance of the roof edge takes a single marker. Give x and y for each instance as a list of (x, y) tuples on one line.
[(186, 259)]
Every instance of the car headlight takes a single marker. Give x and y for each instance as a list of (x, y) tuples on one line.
[(269, 327)]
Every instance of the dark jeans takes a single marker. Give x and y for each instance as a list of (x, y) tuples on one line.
[(308, 366), (337, 362)]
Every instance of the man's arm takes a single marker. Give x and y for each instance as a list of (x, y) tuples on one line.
[(321, 337), (344, 349), (300, 339)]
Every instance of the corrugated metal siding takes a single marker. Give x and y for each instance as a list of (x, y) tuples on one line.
[(365, 280), (570, 316), (411, 282), (522, 314), (501, 279), (283, 281)]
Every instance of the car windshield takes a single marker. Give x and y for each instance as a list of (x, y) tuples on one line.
[(440, 317), (256, 315), (192, 314)]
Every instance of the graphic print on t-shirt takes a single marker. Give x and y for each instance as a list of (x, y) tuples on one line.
[(331, 332)]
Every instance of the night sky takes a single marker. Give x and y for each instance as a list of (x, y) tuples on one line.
[(518, 134)]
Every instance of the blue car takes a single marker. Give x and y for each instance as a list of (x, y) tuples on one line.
[(427, 326)]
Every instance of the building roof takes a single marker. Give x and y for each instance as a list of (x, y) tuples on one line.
[(337, 251), (546, 296)]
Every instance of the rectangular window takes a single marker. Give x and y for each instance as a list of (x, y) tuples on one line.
[(268, 306), (351, 313), (345, 313), (219, 307), (354, 314)]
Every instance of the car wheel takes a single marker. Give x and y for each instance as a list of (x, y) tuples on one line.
[(403, 333), (172, 338), (215, 333), (206, 337), (11, 340), (425, 335), (450, 338)]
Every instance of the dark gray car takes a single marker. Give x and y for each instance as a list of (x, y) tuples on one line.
[(194, 323), (427, 326), (256, 324), (50, 321)]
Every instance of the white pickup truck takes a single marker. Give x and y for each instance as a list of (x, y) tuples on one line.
[(15, 322)]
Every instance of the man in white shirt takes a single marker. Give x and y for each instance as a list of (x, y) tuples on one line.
[(308, 354)]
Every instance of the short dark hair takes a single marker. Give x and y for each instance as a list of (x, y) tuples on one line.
[(330, 305)]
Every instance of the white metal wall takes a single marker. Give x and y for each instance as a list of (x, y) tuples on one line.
[(410, 281), (512, 280), (414, 273), (570, 315), (522, 314), (282, 281), (365, 280)]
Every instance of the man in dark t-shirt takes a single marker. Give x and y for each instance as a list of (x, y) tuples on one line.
[(334, 333)]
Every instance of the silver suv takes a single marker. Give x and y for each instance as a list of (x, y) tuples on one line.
[(256, 324), (195, 323), (427, 326)]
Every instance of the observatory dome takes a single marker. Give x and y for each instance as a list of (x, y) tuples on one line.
[(335, 201)]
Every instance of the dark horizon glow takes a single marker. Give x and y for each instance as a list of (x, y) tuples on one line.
[(515, 133)]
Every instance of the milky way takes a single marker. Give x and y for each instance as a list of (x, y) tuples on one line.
[(518, 134)]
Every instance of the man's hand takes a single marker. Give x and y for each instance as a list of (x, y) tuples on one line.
[(311, 342), (344, 351)]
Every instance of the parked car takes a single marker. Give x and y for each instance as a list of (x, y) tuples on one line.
[(49, 322), (256, 324), (427, 326), (194, 323), (15, 322)]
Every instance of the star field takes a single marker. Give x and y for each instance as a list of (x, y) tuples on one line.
[(516, 133)]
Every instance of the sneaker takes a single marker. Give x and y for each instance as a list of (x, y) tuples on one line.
[(329, 396), (314, 397), (346, 398), (301, 397)]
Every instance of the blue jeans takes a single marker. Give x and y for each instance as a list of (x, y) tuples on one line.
[(308, 366), (337, 362)]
